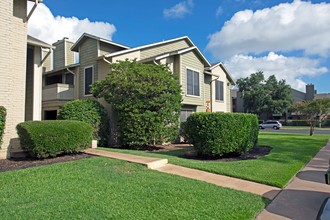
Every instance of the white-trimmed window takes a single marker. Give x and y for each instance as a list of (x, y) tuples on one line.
[(218, 90), (193, 85), (88, 79)]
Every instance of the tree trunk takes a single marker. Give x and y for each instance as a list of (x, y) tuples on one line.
[(311, 130)]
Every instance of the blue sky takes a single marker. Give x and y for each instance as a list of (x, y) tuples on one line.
[(290, 39)]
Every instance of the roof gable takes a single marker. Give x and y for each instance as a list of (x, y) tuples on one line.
[(76, 45)]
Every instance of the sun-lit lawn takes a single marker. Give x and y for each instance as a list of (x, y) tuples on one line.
[(103, 188), (289, 154)]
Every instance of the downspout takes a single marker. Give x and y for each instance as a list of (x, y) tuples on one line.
[(32, 10), (154, 61), (67, 69)]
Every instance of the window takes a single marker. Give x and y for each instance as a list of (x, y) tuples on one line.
[(184, 114), (192, 83), (88, 79), (218, 90), (69, 79)]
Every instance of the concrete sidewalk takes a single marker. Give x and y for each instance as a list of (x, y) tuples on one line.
[(304, 195), (219, 180)]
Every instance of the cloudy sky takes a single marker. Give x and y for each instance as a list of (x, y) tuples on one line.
[(289, 39)]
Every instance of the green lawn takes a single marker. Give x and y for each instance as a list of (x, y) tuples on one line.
[(103, 188), (289, 154)]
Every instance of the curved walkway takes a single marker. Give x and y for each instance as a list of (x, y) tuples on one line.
[(220, 180)]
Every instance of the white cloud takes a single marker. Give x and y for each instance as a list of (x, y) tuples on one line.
[(44, 26), (219, 11), (289, 68), (179, 10), (297, 26)]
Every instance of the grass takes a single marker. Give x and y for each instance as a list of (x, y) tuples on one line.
[(289, 154), (103, 188)]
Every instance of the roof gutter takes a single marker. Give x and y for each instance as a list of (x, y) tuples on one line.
[(36, 2)]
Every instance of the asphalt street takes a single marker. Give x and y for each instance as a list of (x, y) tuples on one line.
[(296, 131)]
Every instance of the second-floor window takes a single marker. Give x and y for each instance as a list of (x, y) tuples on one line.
[(89, 75), (218, 90), (193, 85)]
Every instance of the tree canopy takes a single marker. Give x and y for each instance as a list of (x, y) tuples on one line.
[(147, 101), (262, 95), (314, 111)]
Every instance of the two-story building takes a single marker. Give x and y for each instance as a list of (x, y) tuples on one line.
[(203, 85)]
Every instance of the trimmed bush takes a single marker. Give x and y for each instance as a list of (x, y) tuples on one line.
[(90, 112), (217, 134), (50, 138), (2, 122)]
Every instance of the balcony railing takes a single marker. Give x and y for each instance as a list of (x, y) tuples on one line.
[(59, 91)]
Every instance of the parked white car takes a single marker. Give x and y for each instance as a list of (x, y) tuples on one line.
[(270, 124)]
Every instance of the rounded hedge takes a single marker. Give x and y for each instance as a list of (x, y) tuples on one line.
[(50, 138), (2, 122), (90, 112), (217, 134)]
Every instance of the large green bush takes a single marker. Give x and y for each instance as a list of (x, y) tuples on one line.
[(91, 112), (147, 101), (50, 138), (217, 134), (2, 122)]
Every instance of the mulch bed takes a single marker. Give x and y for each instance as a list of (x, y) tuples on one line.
[(254, 153), (16, 164)]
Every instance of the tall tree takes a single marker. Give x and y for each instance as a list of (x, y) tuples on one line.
[(264, 96), (314, 111), (147, 99)]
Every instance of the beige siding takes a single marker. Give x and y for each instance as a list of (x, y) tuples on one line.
[(88, 52), (103, 69), (108, 48), (191, 61), (207, 87), (220, 106), (129, 56), (13, 41), (150, 52), (229, 99), (59, 57), (48, 62), (69, 54)]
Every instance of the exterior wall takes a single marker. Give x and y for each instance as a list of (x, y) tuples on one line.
[(69, 55), (56, 92), (62, 54), (150, 52), (220, 106), (229, 104), (191, 61), (129, 56), (108, 48), (298, 96), (13, 44), (310, 92), (48, 63), (59, 55), (88, 53)]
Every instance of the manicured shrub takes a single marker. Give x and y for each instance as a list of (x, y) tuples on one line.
[(146, 99), (217, 134), (50, 138), (2, 122), (91, 112)]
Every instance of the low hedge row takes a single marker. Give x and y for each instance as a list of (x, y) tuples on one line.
[(2, 122), (325, 123), (50, 138), (216, 134)]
